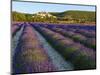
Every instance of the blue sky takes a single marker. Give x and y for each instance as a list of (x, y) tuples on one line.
[(31, 7)]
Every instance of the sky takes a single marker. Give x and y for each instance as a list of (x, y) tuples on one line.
[(33, 7)]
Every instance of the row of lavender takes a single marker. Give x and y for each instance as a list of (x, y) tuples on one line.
[(29, 55), (83, 36), (74, 46), (81, 56), (15, 27), (88, 31)]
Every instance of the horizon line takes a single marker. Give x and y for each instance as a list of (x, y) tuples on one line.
[(53, 11)]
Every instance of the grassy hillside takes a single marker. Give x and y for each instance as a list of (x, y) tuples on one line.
[(77, 15), (17, 16), (72, 16)]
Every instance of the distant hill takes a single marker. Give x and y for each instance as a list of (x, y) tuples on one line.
[(72, 16), (76, 14), (73, 12)]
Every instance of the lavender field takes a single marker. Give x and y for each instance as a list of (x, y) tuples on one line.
[(45, 47)]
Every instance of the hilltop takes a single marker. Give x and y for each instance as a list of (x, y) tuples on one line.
[(72, 16)]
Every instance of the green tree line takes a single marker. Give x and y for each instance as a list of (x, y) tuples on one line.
[(75, 16), (16, 16)]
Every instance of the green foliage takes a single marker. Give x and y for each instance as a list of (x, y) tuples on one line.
[(16, 16), (77, 16), (67, 16), (28, 17)]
